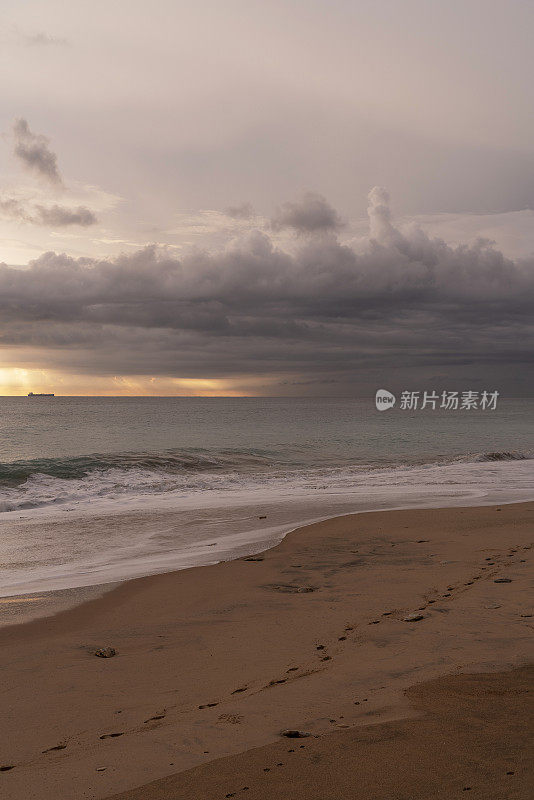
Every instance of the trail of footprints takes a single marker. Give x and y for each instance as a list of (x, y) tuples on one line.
[(488, 570), (490, 561)]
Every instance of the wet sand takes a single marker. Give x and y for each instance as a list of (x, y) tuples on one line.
[(213, 662)]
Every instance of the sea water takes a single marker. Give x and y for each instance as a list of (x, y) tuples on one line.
[(94, 490)]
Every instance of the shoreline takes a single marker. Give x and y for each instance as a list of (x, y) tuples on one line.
[(50, 601), (268, 656), (81, 547)]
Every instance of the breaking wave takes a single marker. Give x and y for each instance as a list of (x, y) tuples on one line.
[(169, 462), (504, 455), (128, 478)]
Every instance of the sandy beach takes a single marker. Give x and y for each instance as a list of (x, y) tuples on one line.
[(399, 641)]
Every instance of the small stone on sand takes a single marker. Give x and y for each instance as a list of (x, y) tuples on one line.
[(290, 589), (105, 652), (292, 733), (413, 617)]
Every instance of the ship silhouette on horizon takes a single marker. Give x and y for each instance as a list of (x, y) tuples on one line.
[(41, 394)]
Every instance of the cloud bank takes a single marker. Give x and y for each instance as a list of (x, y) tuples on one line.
[(326, 313)]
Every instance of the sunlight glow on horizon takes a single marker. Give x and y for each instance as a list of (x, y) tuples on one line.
[(18, 381)]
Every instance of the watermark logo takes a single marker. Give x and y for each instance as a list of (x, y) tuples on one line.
[(384, 400), (448, 401)]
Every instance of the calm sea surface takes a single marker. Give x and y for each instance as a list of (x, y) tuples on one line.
[(72, 470)]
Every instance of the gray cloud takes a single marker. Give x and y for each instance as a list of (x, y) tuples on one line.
[(21, 36), (311, 214), (55, 216), (9, 207), (34, 152), (58, 216), (398, 301), (41, 39), (242, 211)]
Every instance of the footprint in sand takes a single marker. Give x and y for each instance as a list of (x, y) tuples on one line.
[(7, 767), (209, 705), (111, 735), (153, 719), (241, 689), (56, 747)]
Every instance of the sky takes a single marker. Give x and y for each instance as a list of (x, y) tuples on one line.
[(241, 198)]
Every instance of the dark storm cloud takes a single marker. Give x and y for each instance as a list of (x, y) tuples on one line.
[(34, 152), (399, 300), (311, 214), (55, 216)]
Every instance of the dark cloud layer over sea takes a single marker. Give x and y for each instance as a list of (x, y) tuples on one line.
[(397, 304)]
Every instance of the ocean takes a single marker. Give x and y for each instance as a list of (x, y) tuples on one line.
[(95, 490)]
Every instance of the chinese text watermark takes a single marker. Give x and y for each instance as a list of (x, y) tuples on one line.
[(448, 401)]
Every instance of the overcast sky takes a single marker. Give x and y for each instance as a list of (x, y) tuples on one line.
[(187, 201)]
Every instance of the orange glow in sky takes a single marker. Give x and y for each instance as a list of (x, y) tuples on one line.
[(16, 381)]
